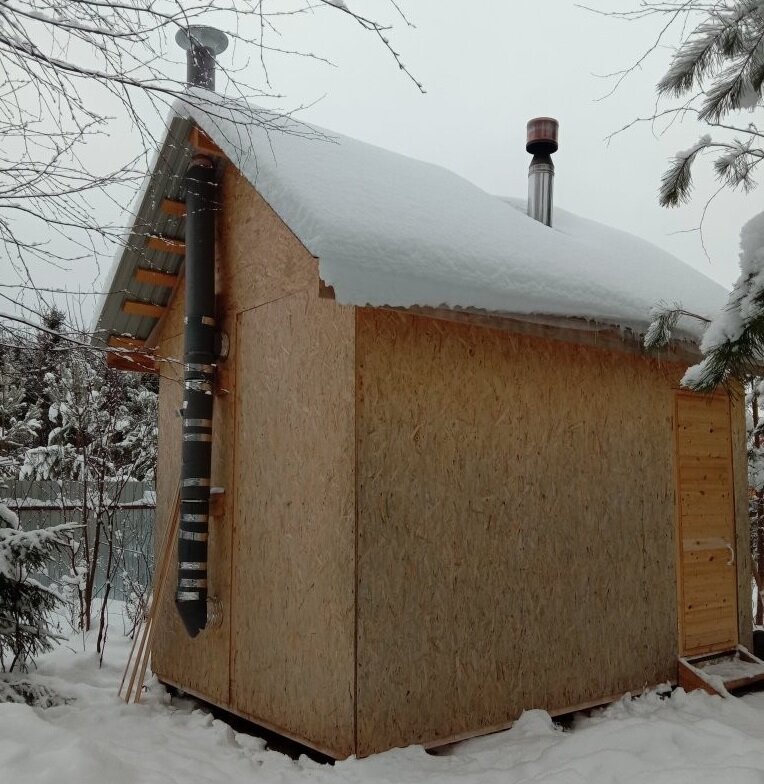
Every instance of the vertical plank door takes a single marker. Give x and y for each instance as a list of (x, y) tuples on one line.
[(707, 573)]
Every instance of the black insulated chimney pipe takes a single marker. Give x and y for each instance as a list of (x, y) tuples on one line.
[(201, 44), (199, 376)]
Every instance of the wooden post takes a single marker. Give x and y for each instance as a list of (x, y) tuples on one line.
[(759, 518)]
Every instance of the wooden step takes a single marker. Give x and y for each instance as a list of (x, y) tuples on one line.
[(724, 673)]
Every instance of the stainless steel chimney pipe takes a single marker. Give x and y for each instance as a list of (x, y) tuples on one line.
[(541, 143)]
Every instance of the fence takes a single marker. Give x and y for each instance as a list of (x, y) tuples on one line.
[(127, 509)]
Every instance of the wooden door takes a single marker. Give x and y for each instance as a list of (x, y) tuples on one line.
[(707, 573)]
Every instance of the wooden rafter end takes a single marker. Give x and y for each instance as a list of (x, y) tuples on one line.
[(147, 309), (130, 355), (166, 245), (156, 277), (203, 144), (173, 207)]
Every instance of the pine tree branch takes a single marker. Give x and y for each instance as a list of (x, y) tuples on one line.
[(676, 183), (719, 36)]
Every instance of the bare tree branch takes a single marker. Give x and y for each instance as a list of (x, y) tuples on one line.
[(73, 71)]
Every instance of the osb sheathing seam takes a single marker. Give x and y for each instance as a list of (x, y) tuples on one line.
[(515, 527), (742, 521), (294, 549), (261, 258)]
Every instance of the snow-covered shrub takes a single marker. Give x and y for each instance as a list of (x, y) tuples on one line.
[(25, 603), (23, 690), (68, 416)]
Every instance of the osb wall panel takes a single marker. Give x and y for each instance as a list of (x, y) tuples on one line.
[(163, 655), (200, 665), (742, 521), (294, 548), (515, 527), (261, 259)]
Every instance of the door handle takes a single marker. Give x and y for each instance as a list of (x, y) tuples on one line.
[(717, 543)]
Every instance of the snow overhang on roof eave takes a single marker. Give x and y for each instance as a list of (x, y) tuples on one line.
[(567, 329)]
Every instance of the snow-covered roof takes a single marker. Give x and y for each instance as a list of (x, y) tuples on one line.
[(391, 230)]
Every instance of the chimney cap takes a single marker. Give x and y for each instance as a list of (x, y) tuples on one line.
[(210, 38), (542, 135)]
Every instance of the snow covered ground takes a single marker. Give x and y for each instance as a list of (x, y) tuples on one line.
[(96, 739)]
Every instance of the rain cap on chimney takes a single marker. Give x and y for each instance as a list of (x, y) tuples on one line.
[(202, 45), (541, 143)]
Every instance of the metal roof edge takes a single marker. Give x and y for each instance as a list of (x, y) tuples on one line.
[(168, 162)]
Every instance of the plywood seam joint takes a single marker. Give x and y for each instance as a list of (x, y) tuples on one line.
[(356, 416), (275, 299)]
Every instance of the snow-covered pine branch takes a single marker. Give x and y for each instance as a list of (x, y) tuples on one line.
[(663, 320), (735, 167), (726, 32), (733, 344), (717, 69), (25, 603), (676, 183)]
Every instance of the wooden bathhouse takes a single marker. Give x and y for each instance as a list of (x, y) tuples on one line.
[(454, 484)]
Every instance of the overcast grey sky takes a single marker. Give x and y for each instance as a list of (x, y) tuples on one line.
[(488, 66)]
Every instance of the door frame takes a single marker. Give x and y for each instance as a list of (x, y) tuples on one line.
[(679, 393)]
